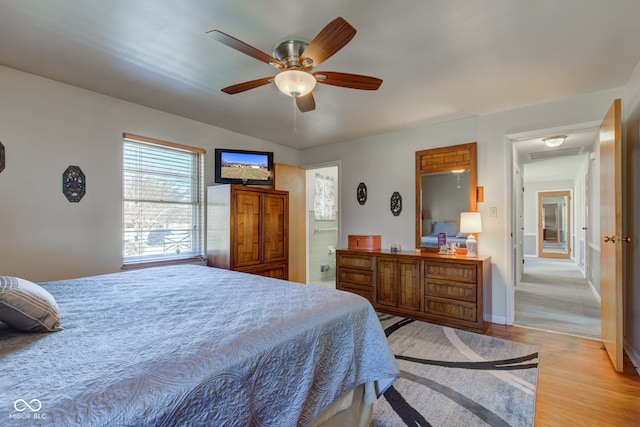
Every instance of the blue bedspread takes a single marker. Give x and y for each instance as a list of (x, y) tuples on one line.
[(191, 345)]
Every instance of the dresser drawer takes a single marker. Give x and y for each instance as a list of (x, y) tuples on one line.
[(355, 277), (466, 273), (451, 309), (277, 271), (351, 260), (450, 289)]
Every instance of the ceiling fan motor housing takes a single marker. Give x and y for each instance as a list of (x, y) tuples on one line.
[(288, 51)]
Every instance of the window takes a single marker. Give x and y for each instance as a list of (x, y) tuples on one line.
[(162, 201)]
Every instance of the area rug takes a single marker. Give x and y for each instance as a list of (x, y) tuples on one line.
[(450, 377)]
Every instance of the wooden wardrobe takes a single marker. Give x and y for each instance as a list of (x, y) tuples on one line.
[(248, 229)]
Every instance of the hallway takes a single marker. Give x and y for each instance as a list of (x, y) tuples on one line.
[(553, 296)]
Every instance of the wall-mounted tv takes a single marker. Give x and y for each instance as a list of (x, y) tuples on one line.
[(243, 167)]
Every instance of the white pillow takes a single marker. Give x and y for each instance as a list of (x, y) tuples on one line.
[(27, 306)]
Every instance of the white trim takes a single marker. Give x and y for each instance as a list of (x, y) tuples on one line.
[(500, 320), (510, 278), (539, 133), (595, 292)]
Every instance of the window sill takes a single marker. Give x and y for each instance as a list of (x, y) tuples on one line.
[(146, 264)]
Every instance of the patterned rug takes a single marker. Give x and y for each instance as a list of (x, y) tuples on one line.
[(450, 377)]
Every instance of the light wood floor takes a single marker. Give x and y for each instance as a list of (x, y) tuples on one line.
[(577, 385)]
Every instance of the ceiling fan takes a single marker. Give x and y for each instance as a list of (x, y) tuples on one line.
[(294, 58)]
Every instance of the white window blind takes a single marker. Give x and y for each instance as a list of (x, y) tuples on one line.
[(163, 201)]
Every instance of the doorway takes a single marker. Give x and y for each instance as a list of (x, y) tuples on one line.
[(544, 235), (554, 224), (322, 224)]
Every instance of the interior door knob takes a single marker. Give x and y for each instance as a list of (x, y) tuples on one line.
[(611, 239), (626, 239)]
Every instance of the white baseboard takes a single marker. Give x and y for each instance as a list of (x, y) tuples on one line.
[(595, 292), (501, 320), (633, 355)]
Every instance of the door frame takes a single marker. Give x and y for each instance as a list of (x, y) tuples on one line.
[(569, 212), (510, 221), (311, 166)]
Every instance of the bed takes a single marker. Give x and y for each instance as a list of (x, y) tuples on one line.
[(449, 228), (193, 345)]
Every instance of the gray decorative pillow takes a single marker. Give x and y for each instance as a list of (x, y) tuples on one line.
[(450, 228), (27, 306)]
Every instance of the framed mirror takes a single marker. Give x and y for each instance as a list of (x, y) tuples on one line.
[(445, 186), (554, 224)]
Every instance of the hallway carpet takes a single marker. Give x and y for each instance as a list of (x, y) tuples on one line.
[(553, 296)]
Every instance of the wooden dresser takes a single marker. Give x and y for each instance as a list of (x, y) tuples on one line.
[(450, 290), (247, 230)]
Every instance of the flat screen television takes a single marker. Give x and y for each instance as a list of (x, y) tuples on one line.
[(243, 167)]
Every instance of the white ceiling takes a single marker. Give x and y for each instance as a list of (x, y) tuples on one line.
[(439, 59)]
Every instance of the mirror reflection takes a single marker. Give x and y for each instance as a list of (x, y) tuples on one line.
[(445, 187), (444, 196), (554, 231)]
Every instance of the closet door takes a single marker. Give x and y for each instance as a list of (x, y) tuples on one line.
[(247, 228), (275, 227)]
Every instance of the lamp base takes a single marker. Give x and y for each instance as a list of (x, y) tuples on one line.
[(472, 245)]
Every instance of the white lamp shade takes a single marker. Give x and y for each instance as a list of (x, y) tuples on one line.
[(294, 82), (470, 222)]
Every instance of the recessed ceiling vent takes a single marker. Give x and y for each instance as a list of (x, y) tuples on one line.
[(556, 153)]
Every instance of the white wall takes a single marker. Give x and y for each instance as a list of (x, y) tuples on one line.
[(46, 126), (386, 164)]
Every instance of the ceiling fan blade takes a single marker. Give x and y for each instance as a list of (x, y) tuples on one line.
[(241, 46), (331, 39), (351, 81), (241, 87), (306, 103)]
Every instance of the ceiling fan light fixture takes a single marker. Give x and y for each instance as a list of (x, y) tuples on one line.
[(295, 82), (554, 141)]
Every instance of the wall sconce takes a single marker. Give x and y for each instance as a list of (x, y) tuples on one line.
[(471, 222), (554, 141)]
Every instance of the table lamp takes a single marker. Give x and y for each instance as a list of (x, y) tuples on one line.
[(471, 222)]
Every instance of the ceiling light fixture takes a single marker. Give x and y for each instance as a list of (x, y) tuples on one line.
[(295, 82), (554, 141)]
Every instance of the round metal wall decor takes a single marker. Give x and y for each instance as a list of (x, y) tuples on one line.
[(361, 193), (73, 183), (1, 157), (396, 203)]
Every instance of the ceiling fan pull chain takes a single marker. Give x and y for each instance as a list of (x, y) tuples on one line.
[(295, 107)]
